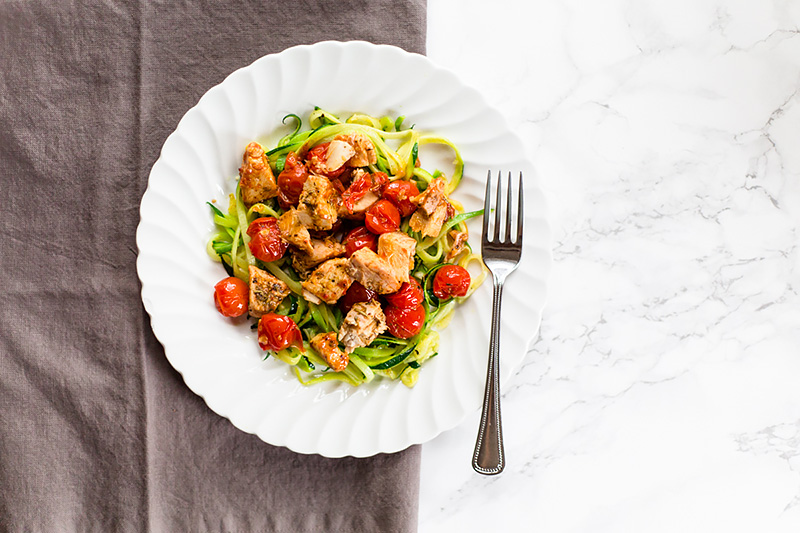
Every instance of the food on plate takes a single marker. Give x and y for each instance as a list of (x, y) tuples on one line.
[(354, 257), (266, 292)]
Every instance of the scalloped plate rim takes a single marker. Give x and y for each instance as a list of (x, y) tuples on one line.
[(531, 182)]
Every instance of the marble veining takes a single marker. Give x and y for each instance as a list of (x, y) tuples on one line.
[(664, 392)]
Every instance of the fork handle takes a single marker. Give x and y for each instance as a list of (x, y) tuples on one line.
[(488, 457)]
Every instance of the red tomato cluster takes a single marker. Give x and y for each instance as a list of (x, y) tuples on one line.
[(405, 314), (265, 239)]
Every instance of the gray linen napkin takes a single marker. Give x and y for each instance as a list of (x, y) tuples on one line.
[(97, 432)]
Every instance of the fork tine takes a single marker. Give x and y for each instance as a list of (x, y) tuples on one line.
[(487, 203), (508, 208), (498, 203), (520, 212)]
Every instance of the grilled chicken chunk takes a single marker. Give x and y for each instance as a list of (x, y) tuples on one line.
[(459, 238), (321, 250), (266, 292), (255, 176), (387, 270), (434, 209), (326, 346), (328, 282), (373, 272), (364, 149), (293, 227), (363, 323), (319, 201), (398, 249)]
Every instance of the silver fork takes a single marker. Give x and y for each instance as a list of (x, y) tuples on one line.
[(501, 257)]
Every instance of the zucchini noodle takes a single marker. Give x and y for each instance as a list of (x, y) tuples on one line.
[(397, 151)]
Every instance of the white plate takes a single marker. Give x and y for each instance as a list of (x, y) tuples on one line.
[(219, 359)]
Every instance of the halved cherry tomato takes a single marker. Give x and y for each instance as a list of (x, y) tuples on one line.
[(409, 295), (451, 280), (317, 159), (230, 297), (276, 332), (356, 293), (291, 180), (400, 192), (382, 217), (406, 322), (265, 239), (358, 238)]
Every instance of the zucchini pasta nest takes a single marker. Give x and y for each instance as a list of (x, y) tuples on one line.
[(351, 256)]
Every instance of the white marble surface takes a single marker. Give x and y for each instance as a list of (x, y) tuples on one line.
[(664, 393)]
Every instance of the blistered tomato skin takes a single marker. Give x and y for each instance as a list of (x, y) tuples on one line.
[(291, 180), (266, 243), (450, 281), (230, 297), (405, 322), (409, 295), (382, 217), (358, 238), (400, 192), (278, 332)]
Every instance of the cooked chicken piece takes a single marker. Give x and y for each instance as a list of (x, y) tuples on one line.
[(321, 250), (266, 292), (293, 227), (373, 272), (337, 154), (459, 238), (398, 249), (319, 201), (326, 346), (328, 282), (255, 176), (429, 199), (363, 323), (434, 209), (364, 149), (387, 270), (430, 225)]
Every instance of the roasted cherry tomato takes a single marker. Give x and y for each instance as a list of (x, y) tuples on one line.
[(317, 159), (382, 217), (409, 295), (356, 293), (277, 332), (265, 239), (358, 238), (451, 280), (230, 297), (291, 180), (400, 192), (405, 322)]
